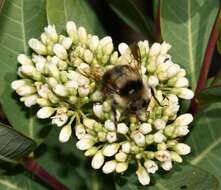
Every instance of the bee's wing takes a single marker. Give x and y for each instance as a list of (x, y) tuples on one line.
[(136, 62)]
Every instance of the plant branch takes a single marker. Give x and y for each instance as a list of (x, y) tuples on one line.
[(157, 24), (206, 62), (33, 167)]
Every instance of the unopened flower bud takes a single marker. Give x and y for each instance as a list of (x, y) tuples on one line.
[(165, 47), (37, 46), (109, 166), (123, 48), (173, 70), (51, 33), (186, 93), (109, 125), (25, 90), (97, 160), (91, 151), (60, 51), (45, 112), (66, 42), (145, 128), (89, 123), (24, 59), (93, 43), (126, 147), (181, 131), (111, 137), (138, 138), (184, 119), (182, 82), (60, 90), (153, 81), (65, 133), (121, 156), (163, 155), (30, 100), (85, 143), (176, 157), (19, 83), (110, 149), (159, 137), (121, 167), (155, 49), (167, 165), (122, 128), (182, 149), (142, 175), (159, 124), (151, 166), (88, 56)]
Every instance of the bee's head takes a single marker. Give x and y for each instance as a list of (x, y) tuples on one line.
[(139, 104)]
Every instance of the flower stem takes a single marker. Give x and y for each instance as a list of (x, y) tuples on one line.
[(206, 62), (33, 167)]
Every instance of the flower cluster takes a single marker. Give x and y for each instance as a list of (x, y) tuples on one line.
[(63, 76)]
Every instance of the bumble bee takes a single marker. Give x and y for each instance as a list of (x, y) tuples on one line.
[(125, 84)]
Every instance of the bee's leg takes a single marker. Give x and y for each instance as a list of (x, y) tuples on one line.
[(153, 93)]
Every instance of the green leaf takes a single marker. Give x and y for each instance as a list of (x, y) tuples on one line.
[(20, 20), (61, 11), (155, 7), (205, 140), (17, 179), (14, 145), (187, 25), (210, 95), (131, 15), (183, 177)]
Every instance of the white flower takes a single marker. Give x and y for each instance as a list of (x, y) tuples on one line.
[(110, 149), (159, 137), (184, 119), (98, 111), (181, 130), (24, 59), (123, 48), (145, 128), (165, 47), (109, 125), (138, 138), (71, 29), (25, 90), (97, 160), (51, 33), (18, 83), (66, 42), (151, 166), (45, 112), (182, 82), (71, 84), (159, 124), (60, 90), (80, 131), (182, 149), (153, 81), (89, 123), (105, 40), (53, 70), (121, 156), (163, 155), (142, 175), (121, 167), (85, 143), (111, 137), (60, 51), (155, 49), (88, 56), (82, 80), (83, 91), (82, 34), (126, 147), (59, 119), (173, 70), (122, 128), (173, 99), (109, 166), (65, 133), (167, 165), (93, 43), (37, 46), (28, 69), (186, 93), (84, 68), (40, 62), (30, 100), (43, 90)]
